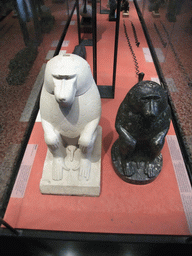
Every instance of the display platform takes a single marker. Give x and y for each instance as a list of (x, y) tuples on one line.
[(155, 208), (162, 207)]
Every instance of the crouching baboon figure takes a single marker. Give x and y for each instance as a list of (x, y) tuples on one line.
[(70, 108), (142, 122)]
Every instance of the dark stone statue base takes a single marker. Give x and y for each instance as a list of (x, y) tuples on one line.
[(86, 25), (135, 172), (112, 17)]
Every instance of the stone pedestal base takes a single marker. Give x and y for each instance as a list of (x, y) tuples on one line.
[(112, 16), (125, 14), (72, 183), (155, 14), (86, 25)]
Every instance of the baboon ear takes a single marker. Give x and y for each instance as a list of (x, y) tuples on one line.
[(48, 80), (49, 86)]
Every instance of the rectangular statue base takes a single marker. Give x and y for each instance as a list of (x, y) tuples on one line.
[(86, 25), (72, 183), (125, 14), (155, 14)]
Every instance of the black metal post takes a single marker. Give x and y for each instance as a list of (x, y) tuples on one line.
[(78, 21), (116, 45), (94, 27)]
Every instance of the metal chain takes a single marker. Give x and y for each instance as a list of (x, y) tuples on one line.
[(177, 57), (131, 49), (135, 34)]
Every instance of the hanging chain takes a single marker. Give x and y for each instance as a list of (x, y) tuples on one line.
[(135, 35), (160, 36), (131, 49), (177, 57)]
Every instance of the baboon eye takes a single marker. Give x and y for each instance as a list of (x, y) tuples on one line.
[(151, 97), (66, 77), (144, 99), (61, 77), (157, 97)]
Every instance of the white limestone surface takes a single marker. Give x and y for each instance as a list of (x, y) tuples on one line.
[(73, 183)]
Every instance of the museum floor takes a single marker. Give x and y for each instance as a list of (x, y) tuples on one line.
[(18, 102)]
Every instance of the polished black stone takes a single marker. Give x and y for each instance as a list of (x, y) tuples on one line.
[(142, 122)]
